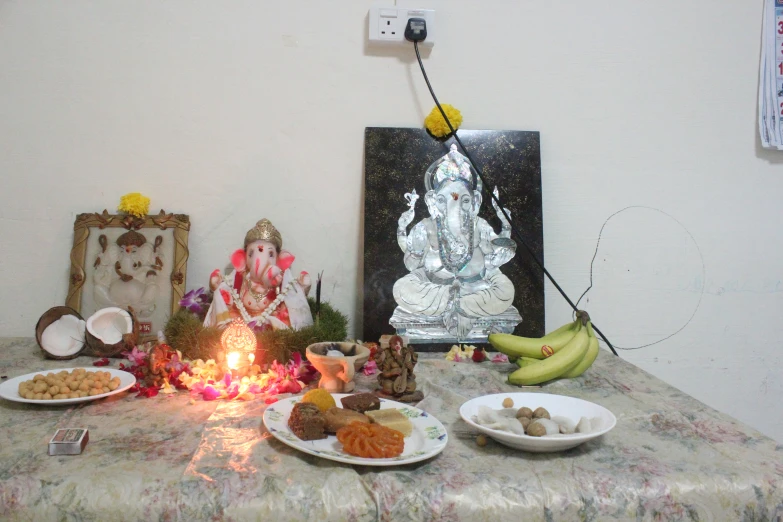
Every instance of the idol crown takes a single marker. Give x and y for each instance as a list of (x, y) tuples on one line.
[(264, 231), (451, 167)]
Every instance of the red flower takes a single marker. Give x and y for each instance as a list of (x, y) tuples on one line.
[(373, 349), (175, 381), (148, 392), (101, 362), (270, 400), (479, 355)]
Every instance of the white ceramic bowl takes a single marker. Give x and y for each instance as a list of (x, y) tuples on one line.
[(557, 405)]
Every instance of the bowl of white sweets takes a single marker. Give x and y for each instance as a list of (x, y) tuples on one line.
[(537, 422)]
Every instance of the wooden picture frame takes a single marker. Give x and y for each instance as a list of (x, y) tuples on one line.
[(129, 262)]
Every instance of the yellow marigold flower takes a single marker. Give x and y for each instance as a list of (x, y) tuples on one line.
[(437, 126), (134, 204)]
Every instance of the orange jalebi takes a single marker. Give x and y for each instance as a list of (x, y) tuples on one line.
[(371, 441)]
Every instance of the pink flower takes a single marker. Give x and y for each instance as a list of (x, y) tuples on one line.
[(175, 365), (370, 368), (209, 393), (285, 385), (136, 356), (300, 369), (196, 389), (232, 391), (500, 358)]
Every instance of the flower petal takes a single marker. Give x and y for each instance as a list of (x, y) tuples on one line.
[(209, 393)]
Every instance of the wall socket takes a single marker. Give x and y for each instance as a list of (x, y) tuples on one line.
[(387, 24)]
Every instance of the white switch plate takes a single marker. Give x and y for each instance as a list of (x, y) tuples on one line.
[(387, 24)]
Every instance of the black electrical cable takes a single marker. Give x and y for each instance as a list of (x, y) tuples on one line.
[(496, 200)]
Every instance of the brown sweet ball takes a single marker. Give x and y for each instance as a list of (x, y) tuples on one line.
[(508, 402), (525, 421), (481, 441), (536, 429), (541, 413), (525, 412)]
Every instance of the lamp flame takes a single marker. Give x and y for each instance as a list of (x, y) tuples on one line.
[(238, 340), (232, 359)]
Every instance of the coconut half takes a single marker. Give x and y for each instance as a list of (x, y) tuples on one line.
[(60, 333), (65, 336), (111, 331)]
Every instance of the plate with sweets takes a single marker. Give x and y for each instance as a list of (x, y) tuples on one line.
[(112, 381), (428, 437)]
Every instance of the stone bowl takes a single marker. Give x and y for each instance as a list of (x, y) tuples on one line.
[(337, 372)]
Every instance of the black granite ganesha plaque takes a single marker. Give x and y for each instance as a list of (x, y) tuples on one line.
[(422, 278)]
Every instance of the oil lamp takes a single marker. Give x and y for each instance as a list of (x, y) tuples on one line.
[(239, 344)]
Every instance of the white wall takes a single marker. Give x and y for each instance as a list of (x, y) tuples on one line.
[(233, 111)]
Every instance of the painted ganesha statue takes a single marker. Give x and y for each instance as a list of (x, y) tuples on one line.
[(261, 288), (454, 291)]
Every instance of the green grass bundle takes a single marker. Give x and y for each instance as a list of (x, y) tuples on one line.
[(186, 332)]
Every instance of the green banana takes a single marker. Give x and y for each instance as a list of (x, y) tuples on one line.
[(526, 361), (588, 359), (516, 346), (556, 365)]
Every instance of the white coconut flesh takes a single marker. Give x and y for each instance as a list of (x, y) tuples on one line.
[(109, 325), (63, 337)]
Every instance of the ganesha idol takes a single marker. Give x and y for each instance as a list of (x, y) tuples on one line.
[(454, 291), (261, 289)]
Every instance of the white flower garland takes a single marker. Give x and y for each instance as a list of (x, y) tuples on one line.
[(269, 310)]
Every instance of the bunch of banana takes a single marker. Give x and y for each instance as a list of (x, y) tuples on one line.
[(566, 352)]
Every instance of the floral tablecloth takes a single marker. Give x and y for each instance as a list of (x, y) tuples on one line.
[(670, 457)]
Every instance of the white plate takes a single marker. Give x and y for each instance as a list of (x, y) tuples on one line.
[(428, 438), (556, 405), (10, 389)]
